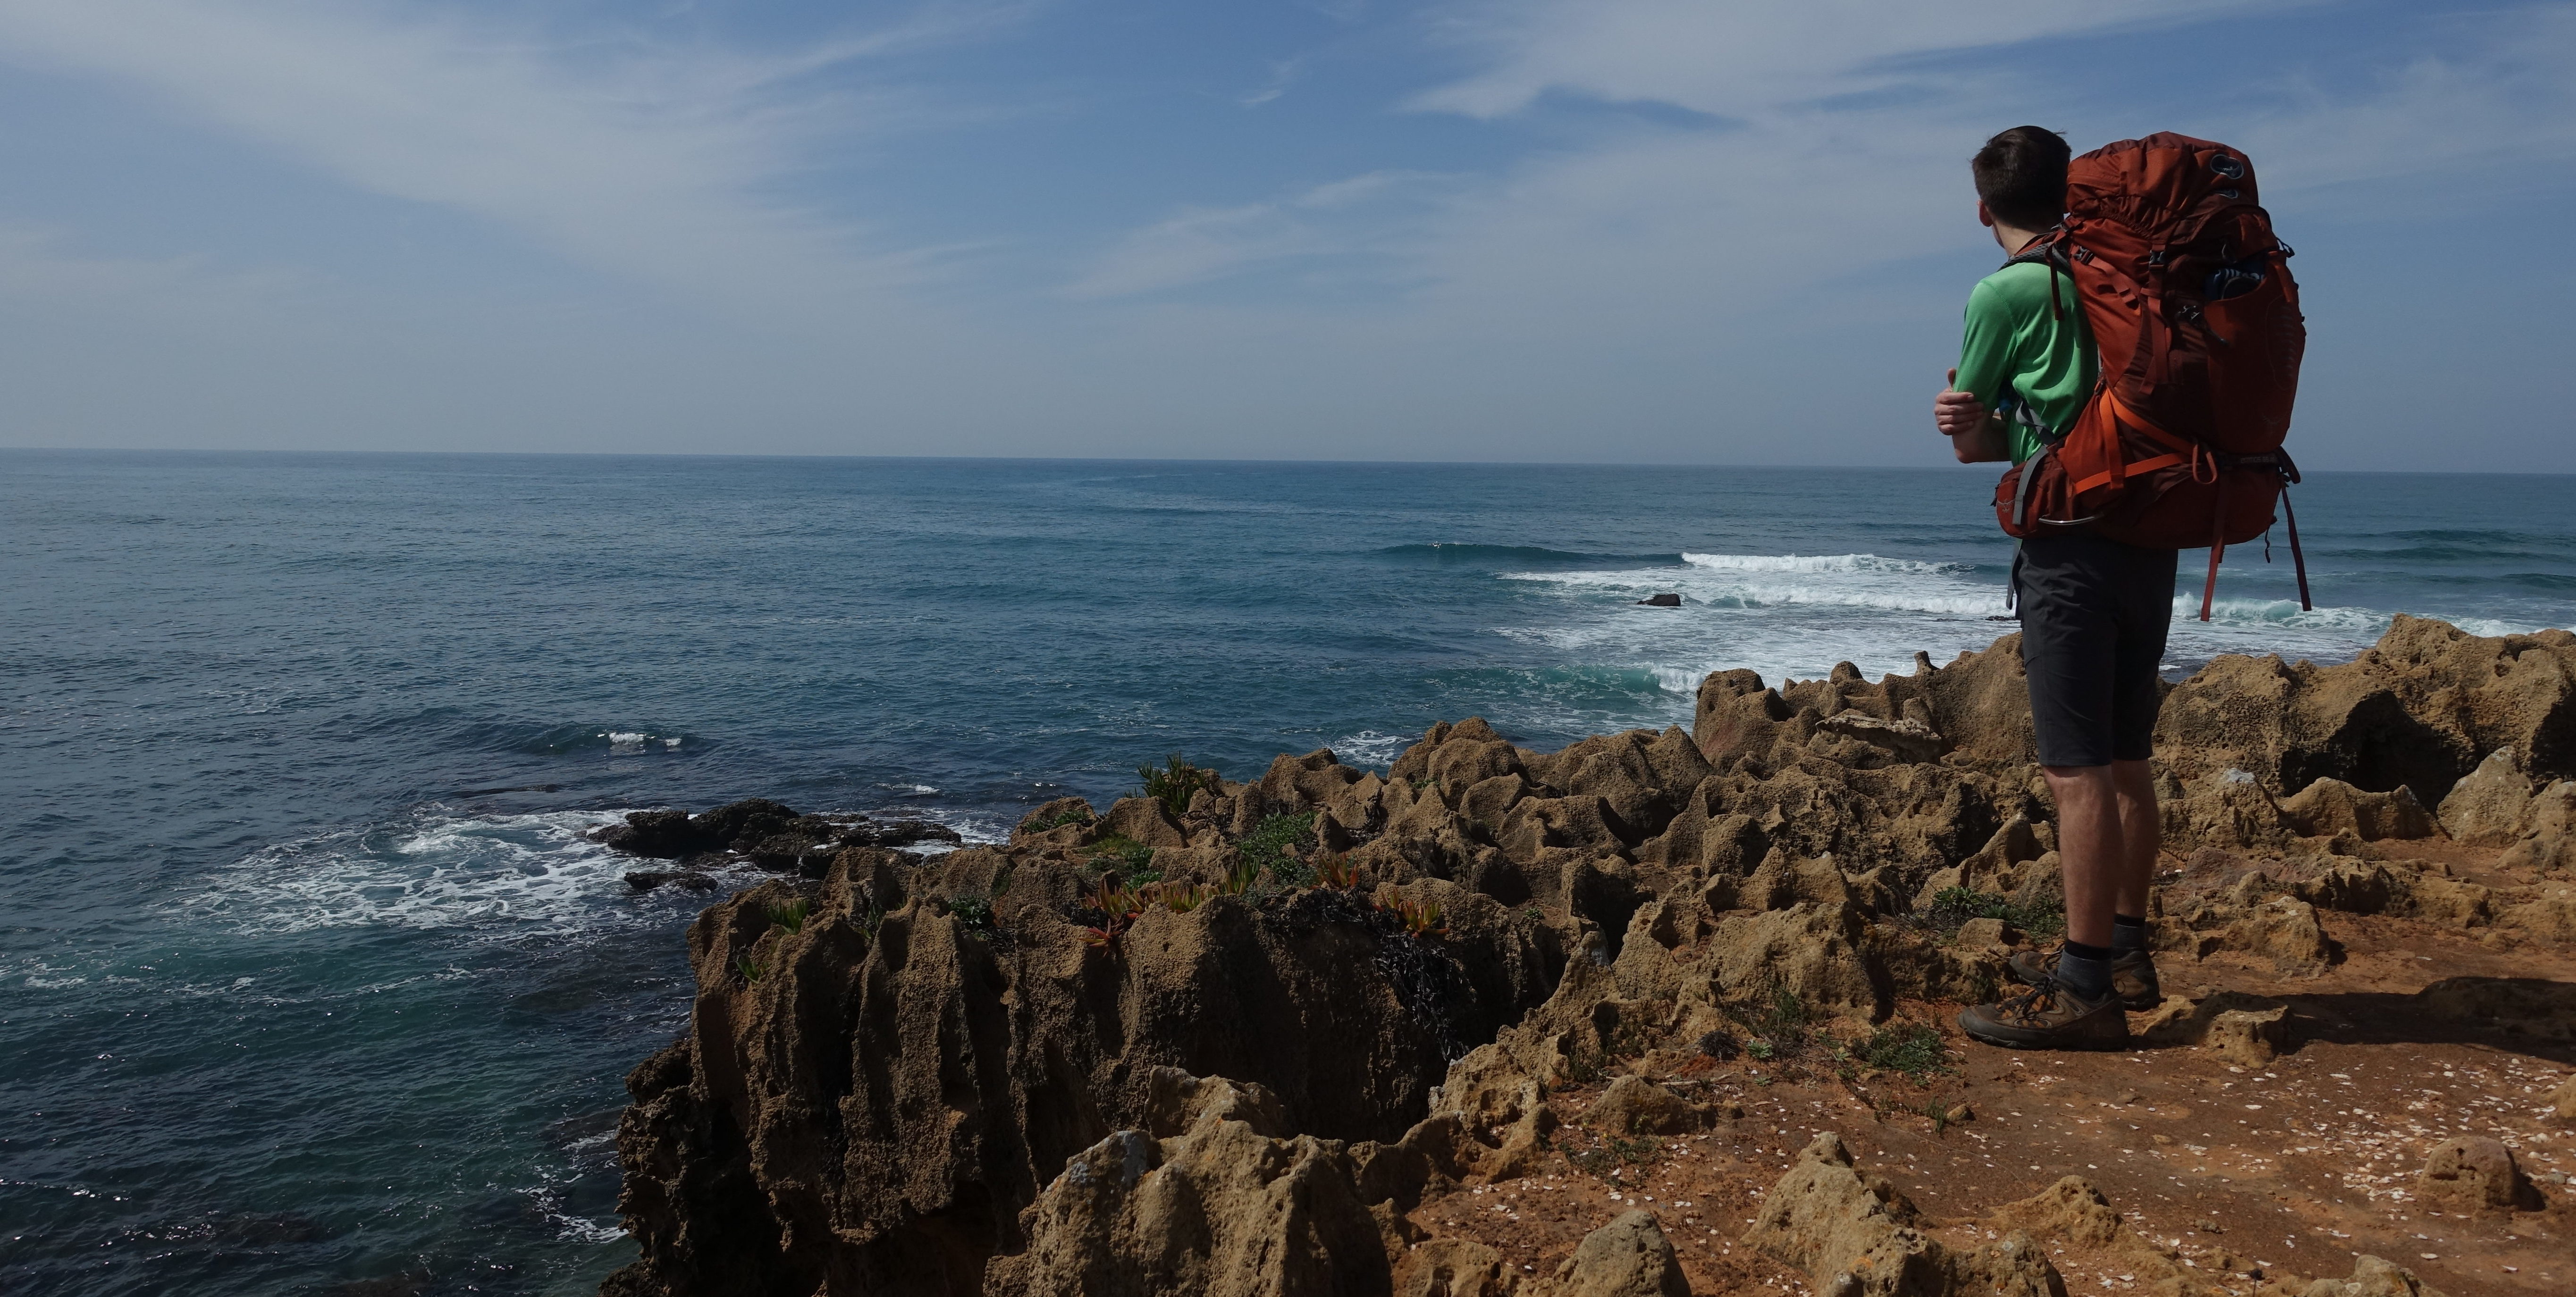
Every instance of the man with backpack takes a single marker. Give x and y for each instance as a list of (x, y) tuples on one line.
[(2164, 436)]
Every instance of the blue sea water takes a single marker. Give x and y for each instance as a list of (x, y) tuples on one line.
[(309, 983)]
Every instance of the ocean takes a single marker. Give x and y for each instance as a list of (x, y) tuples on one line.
[(309, 982)]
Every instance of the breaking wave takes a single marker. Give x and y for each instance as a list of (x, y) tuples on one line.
[(1455, 554), (1797, 615), (515, 874)]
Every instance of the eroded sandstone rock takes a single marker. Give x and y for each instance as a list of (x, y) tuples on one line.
[(2474, 1172), (1451, 1267), (2372, 1277), (1858, 1236), (961, 1074), (2562, 1101), (2244, 1029), (2419, 709), (1633, 1106), (1229, 1204), (2331, 806), (1629, 1257)]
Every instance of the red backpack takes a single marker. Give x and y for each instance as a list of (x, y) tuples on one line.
[(2197, 322)]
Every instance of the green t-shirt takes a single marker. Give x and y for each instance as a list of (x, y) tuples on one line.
[(2031, 367)]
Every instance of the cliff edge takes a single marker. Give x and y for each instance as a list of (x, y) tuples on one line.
[(1458, 1028)]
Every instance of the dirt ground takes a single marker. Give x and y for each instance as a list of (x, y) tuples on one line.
[(2260, 1178)]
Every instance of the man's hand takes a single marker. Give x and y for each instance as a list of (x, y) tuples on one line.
[(1975, 434), (1955, 412)]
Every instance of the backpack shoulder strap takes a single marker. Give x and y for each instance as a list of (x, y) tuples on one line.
[(2050, 250)]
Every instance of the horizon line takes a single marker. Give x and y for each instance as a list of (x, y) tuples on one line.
[(1141, 459)]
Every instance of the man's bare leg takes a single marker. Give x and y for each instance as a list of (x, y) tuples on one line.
[(2089, 848), (2108, 834), (2142, 835)]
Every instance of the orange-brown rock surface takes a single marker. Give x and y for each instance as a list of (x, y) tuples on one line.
[(1666, 1012)]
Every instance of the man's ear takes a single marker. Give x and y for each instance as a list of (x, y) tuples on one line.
[(1984, 217)]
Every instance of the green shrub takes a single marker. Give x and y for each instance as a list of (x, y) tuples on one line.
[(791, 916), (1175, 784), (1240, 879), (1953, 906), (1634, 1150), (1132, 859), (1181, 898), (1786, 1022), (1074, 814), (750, 968), (1773, 1028), (1912, 1048), (973, 913), (1583, 1067), (1270, 843)]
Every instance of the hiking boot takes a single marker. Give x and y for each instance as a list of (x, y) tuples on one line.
[(2133, 975), (2049, 1017)]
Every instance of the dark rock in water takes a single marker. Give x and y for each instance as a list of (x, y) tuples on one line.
[(686, 880), (737, 825), (661, 835), (669, 835), (782, 851), (773, 835), (784, 844), (1661, 601), (902, 833)]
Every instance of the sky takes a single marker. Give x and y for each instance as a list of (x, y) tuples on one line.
[(1606, 231)]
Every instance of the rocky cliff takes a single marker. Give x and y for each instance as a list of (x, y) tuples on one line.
[(1248, 1038)]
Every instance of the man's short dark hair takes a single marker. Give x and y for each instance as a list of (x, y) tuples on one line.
[(2021, 175)]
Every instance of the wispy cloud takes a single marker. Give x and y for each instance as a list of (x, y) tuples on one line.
[(772, 252), (638, 160), (1283, 74), (1749, 56), (2505, 101), (1369, 213)]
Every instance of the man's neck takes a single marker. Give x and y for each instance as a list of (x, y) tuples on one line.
[(2013, 239)]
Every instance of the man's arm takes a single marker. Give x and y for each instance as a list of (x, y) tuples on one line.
[(1975, 434)]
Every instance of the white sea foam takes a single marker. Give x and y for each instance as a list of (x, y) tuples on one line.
[(1370, 748), (1815, 563), (508, 875), (516, 874), (629, 742), (1797, 615), (569, 1227), (979, 829)]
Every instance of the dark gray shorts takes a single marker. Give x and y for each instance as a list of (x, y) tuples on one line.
[(2093, 619)]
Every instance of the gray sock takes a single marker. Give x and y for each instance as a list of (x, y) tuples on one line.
[(2085, 970), (2128, 933)]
